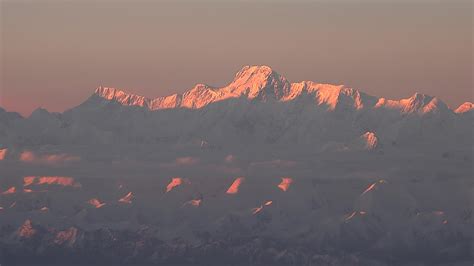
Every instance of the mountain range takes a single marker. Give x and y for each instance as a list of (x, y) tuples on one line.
[(261, 83), (259, 106)]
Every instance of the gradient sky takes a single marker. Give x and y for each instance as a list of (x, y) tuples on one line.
[(55, 53)]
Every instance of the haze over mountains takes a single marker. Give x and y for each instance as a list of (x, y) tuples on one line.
[(259, 172)]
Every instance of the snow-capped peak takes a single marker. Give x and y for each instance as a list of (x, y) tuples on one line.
[(464, 108), (418, 103), (370, 140), (366, 142), (121, 97), (26, 230), (199, 96), (258, 82)]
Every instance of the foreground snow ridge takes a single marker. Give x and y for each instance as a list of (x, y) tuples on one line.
[(175, 181), (64, 181), (285, 183), (234, 188), (373, 186), (127, 198)]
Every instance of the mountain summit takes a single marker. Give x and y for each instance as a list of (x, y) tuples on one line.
[(257, 82)]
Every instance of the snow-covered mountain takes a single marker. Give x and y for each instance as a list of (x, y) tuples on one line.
[(258, 172), (258, 106)]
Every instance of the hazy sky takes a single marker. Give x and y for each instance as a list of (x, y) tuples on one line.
[(55, 53)]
